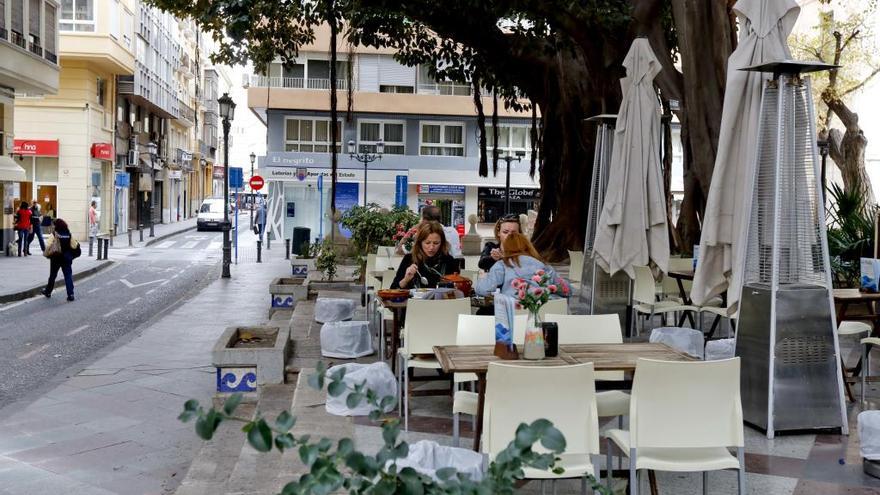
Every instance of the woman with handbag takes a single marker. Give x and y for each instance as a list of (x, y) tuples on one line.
[(23, 227), (61, 251)]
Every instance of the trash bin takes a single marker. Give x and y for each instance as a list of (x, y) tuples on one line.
[(300, 235)]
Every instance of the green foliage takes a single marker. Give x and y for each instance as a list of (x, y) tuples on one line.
[(850, 232), (373, 226), (326, 259), (340, 466), (309, 250)]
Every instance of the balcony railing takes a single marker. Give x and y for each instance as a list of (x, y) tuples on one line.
[(51, 57), (35, 49), (207, 149), (184, 111), (258, 81), (4, 34), (18, 39), (445, 88)]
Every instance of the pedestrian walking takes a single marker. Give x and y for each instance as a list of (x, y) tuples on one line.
[(93, 220), (46, 224), (261, 220), (23, 227), (36, 227), (61, 251)]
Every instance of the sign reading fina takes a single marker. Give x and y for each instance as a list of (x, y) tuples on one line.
[(35, 147)]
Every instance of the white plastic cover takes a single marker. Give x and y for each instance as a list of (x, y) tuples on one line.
[(329, 309), (720, 349), (684, 339), (427, 457), (869, 434), (378, 377), (346, 339)]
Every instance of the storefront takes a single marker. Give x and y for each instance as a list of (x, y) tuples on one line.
[(102, 185), (450, 199), (39, 159), (173, 208), (11, 177), (491, 202)]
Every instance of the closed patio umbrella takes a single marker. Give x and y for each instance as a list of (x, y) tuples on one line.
[(764, 28), (632, 225)]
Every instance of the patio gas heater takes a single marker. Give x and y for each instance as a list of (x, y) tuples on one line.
[(601, 293), (786, 337)]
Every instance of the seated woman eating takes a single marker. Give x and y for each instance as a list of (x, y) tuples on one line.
[(520, 260), (428, 262)]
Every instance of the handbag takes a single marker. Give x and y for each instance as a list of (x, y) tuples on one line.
[(53, 248), (75, 248)]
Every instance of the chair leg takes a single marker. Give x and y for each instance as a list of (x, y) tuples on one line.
[(455, 431), (633, 473), (741, 473), (705, 482), (584, 485), (609, 470), (866, 366), (406, 384)]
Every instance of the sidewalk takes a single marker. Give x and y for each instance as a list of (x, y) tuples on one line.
[(112, 427), (24, 277)]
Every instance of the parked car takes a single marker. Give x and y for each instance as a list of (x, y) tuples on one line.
[(210, 215)]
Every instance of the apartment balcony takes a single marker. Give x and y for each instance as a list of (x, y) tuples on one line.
[(127, 85), (98, 48), (27, 69), (257, 81), (446, 89), (35, 49), (184, 114), (208, 150)]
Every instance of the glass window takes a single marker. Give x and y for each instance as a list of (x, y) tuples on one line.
[(77, 15), (309, 135), (370, 131), (442, 139), (431, 134), (391, 133), (511, 138)]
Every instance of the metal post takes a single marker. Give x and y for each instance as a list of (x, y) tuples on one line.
[(91, 243), (268, 239), (259, 251), (253, 199), (508, 159), (365, 183), (130, 243), (153, 191), (287, 249), (141, 232), (227, 248), (113, 234)]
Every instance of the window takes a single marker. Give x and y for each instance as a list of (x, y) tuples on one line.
[(371, 131), (101, 86), (385, 88), (511, 138), (49, 28), (442, 138), (77, 15), (34, 25), (113, 14), (18, 16), (310, 135)]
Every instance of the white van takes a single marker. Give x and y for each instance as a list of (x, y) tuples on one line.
[(210, 215)]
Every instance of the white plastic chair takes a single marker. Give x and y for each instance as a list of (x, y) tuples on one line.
[(429, 323), (472, 330), (520, 394), (557, 306), (684, 416), (371, 281), (575, 266), (645, 298), (385, 251), (597, 329)]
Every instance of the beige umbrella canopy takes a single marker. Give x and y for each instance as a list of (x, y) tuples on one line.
[(632, 225), (764, 28)]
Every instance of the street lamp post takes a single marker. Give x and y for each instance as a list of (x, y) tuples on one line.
[(152, 150), (227, 113), (508, 158), (253, 199), (366, 158)]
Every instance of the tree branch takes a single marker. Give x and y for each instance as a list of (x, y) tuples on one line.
[(862, 83)]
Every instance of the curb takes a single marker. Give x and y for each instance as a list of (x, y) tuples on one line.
[(25, 294), (165, 236)]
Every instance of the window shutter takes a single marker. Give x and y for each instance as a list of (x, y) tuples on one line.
[(34, 24), (368, 73), (391, 73), (18, 16), (49, 42)]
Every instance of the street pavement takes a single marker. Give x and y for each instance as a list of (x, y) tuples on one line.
[(92, 389)]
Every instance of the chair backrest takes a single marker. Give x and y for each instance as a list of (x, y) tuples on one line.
[(371, 281), (590, 329), (388, 278), (432, 322), (394, 261), (678, 265), (644, 290), (575, 266), (680, 404), (475, 330), (385, 251), (521, 394)]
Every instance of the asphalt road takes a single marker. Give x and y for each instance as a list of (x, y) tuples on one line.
[(42, 338)]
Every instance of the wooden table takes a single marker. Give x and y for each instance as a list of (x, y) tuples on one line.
[(605, 357), (844, 298)]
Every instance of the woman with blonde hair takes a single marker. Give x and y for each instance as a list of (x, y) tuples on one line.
[(428, 262), (520, 260)]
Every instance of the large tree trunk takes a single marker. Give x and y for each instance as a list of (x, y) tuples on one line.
[(847, 148)]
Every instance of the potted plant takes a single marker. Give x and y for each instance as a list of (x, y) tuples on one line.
[(303, 263), (373, 226), (326, 260), (531, 294)]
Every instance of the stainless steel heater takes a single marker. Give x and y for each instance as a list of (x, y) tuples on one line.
[(601, 293), (786, 334)]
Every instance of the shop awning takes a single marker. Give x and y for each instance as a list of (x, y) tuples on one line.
[(10, 171)]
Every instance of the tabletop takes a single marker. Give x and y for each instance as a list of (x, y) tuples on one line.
[(682, 274), (854, 295), (605, 357)]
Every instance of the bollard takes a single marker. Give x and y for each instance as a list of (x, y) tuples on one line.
[(141, 232), (106, 244), (268, 242), (259, 251), (91, 244), (129, 237), (287, 249), (113, 234), (152, 234)]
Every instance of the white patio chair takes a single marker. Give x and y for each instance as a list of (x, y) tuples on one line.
[(575, 267), (645, 298), (429, 323), (684, 416), (520, 394)]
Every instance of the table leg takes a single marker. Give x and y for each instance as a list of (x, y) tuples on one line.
[(481, 404), (685, 299), (395, 341)]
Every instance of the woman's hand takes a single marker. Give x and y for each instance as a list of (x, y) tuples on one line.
[(411, 272), (496, 254)]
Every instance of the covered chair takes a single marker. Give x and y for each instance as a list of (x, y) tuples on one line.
[(520, 394), (684, 416)]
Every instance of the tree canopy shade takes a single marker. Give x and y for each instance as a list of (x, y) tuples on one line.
[(563, 57)]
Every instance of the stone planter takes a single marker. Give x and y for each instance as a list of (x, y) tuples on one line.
[(242, 365), (285, 292), (300, 267), (346, 285)]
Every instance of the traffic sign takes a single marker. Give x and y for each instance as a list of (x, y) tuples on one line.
[(236, 177), (256, 183)]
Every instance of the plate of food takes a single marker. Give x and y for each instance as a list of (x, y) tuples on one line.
[(393, 295)]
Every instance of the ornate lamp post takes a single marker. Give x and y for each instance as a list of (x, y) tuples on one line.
[(153, 151), (227, 113), (508, 158), (366, 158)]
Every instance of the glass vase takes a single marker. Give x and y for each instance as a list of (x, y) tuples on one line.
[(534, 345)]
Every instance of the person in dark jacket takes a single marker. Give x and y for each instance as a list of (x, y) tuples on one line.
[(62, 260), (23, 227), (36, 227), (429, 259), (492, 253)]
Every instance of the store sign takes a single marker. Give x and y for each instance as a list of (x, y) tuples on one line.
[(35, 147), (103, 151), (516, 193), (175, 174), (218, 172), (440, 189)]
